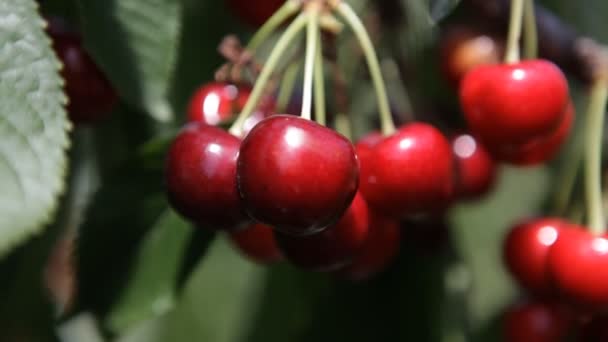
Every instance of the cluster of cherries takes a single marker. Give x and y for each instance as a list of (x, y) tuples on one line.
[(90, 95), (287, 187)]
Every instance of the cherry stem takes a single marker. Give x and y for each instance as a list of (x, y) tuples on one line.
[(319, 81), (273, 59), (289, 8), (287, 85), (351, 18), (343, 125), (530, 31), (593, 167), (312, 31), (515, 24)]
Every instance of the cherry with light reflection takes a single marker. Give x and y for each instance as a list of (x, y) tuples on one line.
[(536, 321), (364, 149), (258, 243), (475, 168), (578, 263), (91, 97), (217, 103), (296, 175), (332, 248), (526, 252), (514, 103), (200, 176), (409, 172)]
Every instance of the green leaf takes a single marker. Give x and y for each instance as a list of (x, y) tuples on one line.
[(150, 291), (441, 8), (33, 125), (136, 42)]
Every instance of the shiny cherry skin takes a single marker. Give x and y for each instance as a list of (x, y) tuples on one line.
[(379, 250), (200, 176), (254, 13), (578, 263), (464, 48), (91, 97), (216, 103), (514, 103), (258, 243), (335, 246), (409, 172), (539, 150), (296, 175), (364, 149), (526, 252), (476, 170), (536, 321)]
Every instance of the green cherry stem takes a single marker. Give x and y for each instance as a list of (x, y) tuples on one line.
[(530, 31), (515, 24), (287, 85), (273, 59), (289, 8), (593, 149), (312, 31), (351, 18), (319, 84)]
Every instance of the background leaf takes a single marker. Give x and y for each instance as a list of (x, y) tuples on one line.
[(33, 124), (135, 42)]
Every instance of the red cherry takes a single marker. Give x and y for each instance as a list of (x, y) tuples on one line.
[(380, 248), (537, 322), (364, 149), (201, 176), (464, 48), (514, 103), (90, 95), (578, 263), (335, 246), (409, 172), (254, 13), (258, 243), (296, 175), (475, 168), (526, 249), (538, 150), (217, 103), (595, 330)]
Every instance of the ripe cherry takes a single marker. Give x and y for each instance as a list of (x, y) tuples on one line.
[(91, 97), (526, 250), (514, 103), (364, 149), (217, 103), (464, 48), (409, 172), (539, 150), (595, 330), (536, 321), (254, 13), (201, 176), (258, 243), (475, 168), (578, 263), (296, 175), (335, 246), (380, 248)]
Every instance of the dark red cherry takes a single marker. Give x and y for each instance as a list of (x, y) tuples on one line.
[(578, 263), (514, 103), (335, 246), (296, 175), (201, 176), (91, 97), (258, 243), (464, 48), (539, 150), (380, 248), (526, 250), (364, 149), (216, 103), (254, 13), (595, 330), (475, 168), (409, 172), (536, 322)]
